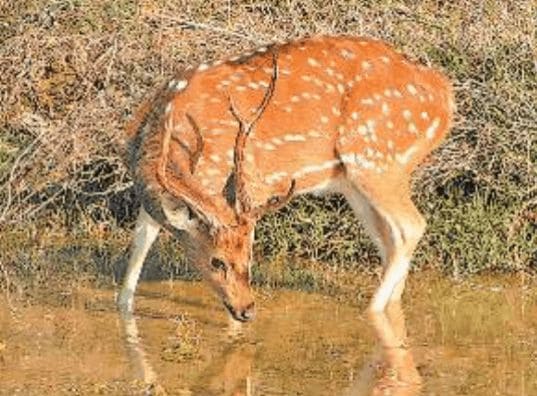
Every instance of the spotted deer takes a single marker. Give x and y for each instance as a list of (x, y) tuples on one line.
[(222, 144)]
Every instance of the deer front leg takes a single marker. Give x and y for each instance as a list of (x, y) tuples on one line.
[(145, 233)]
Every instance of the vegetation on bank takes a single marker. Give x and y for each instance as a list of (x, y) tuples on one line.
[(73, 72)]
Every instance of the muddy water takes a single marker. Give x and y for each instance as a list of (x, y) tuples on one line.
[(450, 338)]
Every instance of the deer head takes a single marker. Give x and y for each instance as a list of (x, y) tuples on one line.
[(223, 245)]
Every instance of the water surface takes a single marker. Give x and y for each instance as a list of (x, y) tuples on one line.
[(469, 338)]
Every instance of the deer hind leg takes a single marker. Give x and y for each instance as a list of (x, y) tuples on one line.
[(396, 226), (145, 233)]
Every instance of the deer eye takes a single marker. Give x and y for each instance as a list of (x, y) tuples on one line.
[(218, 265)]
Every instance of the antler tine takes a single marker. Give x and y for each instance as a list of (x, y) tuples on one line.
[(275, 202), (242, 200), (196, 155)]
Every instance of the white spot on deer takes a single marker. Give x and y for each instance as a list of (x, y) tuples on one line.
[(236, 77), (294, 138), (214, 100), (261, 50), (324, 119), (355, 115), (371, 125), (225, 83), (306, 78), (412, 128), (213, 171), (205, 182), (268, 146), (203, 67), (405, 157), (335, 111), (367, 102), (362, 130), (277, 141), (329, 88), (377, 96), (287, 109), (389, 125), (315, 134), (340, 76), (217, 63), (411, 89), (168, 108), (268, 70), (350, 83), (230, 154), (317, 82), (431, 97), (275, 177), (313, 62), (253, 85), (329, 71), (407, 114), (181, 85), (306, 95), (341, 88), (249, 158), (346, 54), (390, 144), (215, 158), (385, 108), (366, 65), (231, 123), (357, 160), (385, 59), (285, 72), (171, 84), (295, 99), (263, 84), (315, 168), (396, 93), (358, 78), (240, 88), (316, 96), (388, 93), (424, 115), (431, 131), (217, 131), (235, 58), (369, 152)]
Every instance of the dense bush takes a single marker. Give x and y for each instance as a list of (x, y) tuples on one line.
[(73, 72)]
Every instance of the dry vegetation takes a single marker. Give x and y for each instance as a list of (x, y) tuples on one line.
[(74, 71)]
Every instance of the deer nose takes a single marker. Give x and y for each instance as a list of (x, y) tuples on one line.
[(248, 313)]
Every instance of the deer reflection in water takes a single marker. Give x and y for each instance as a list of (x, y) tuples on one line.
[(390, 370), (228, 374)]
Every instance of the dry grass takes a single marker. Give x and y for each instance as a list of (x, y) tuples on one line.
[(73, 72)]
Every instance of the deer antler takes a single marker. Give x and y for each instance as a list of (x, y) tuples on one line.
[(243, 203), (182, 186)]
